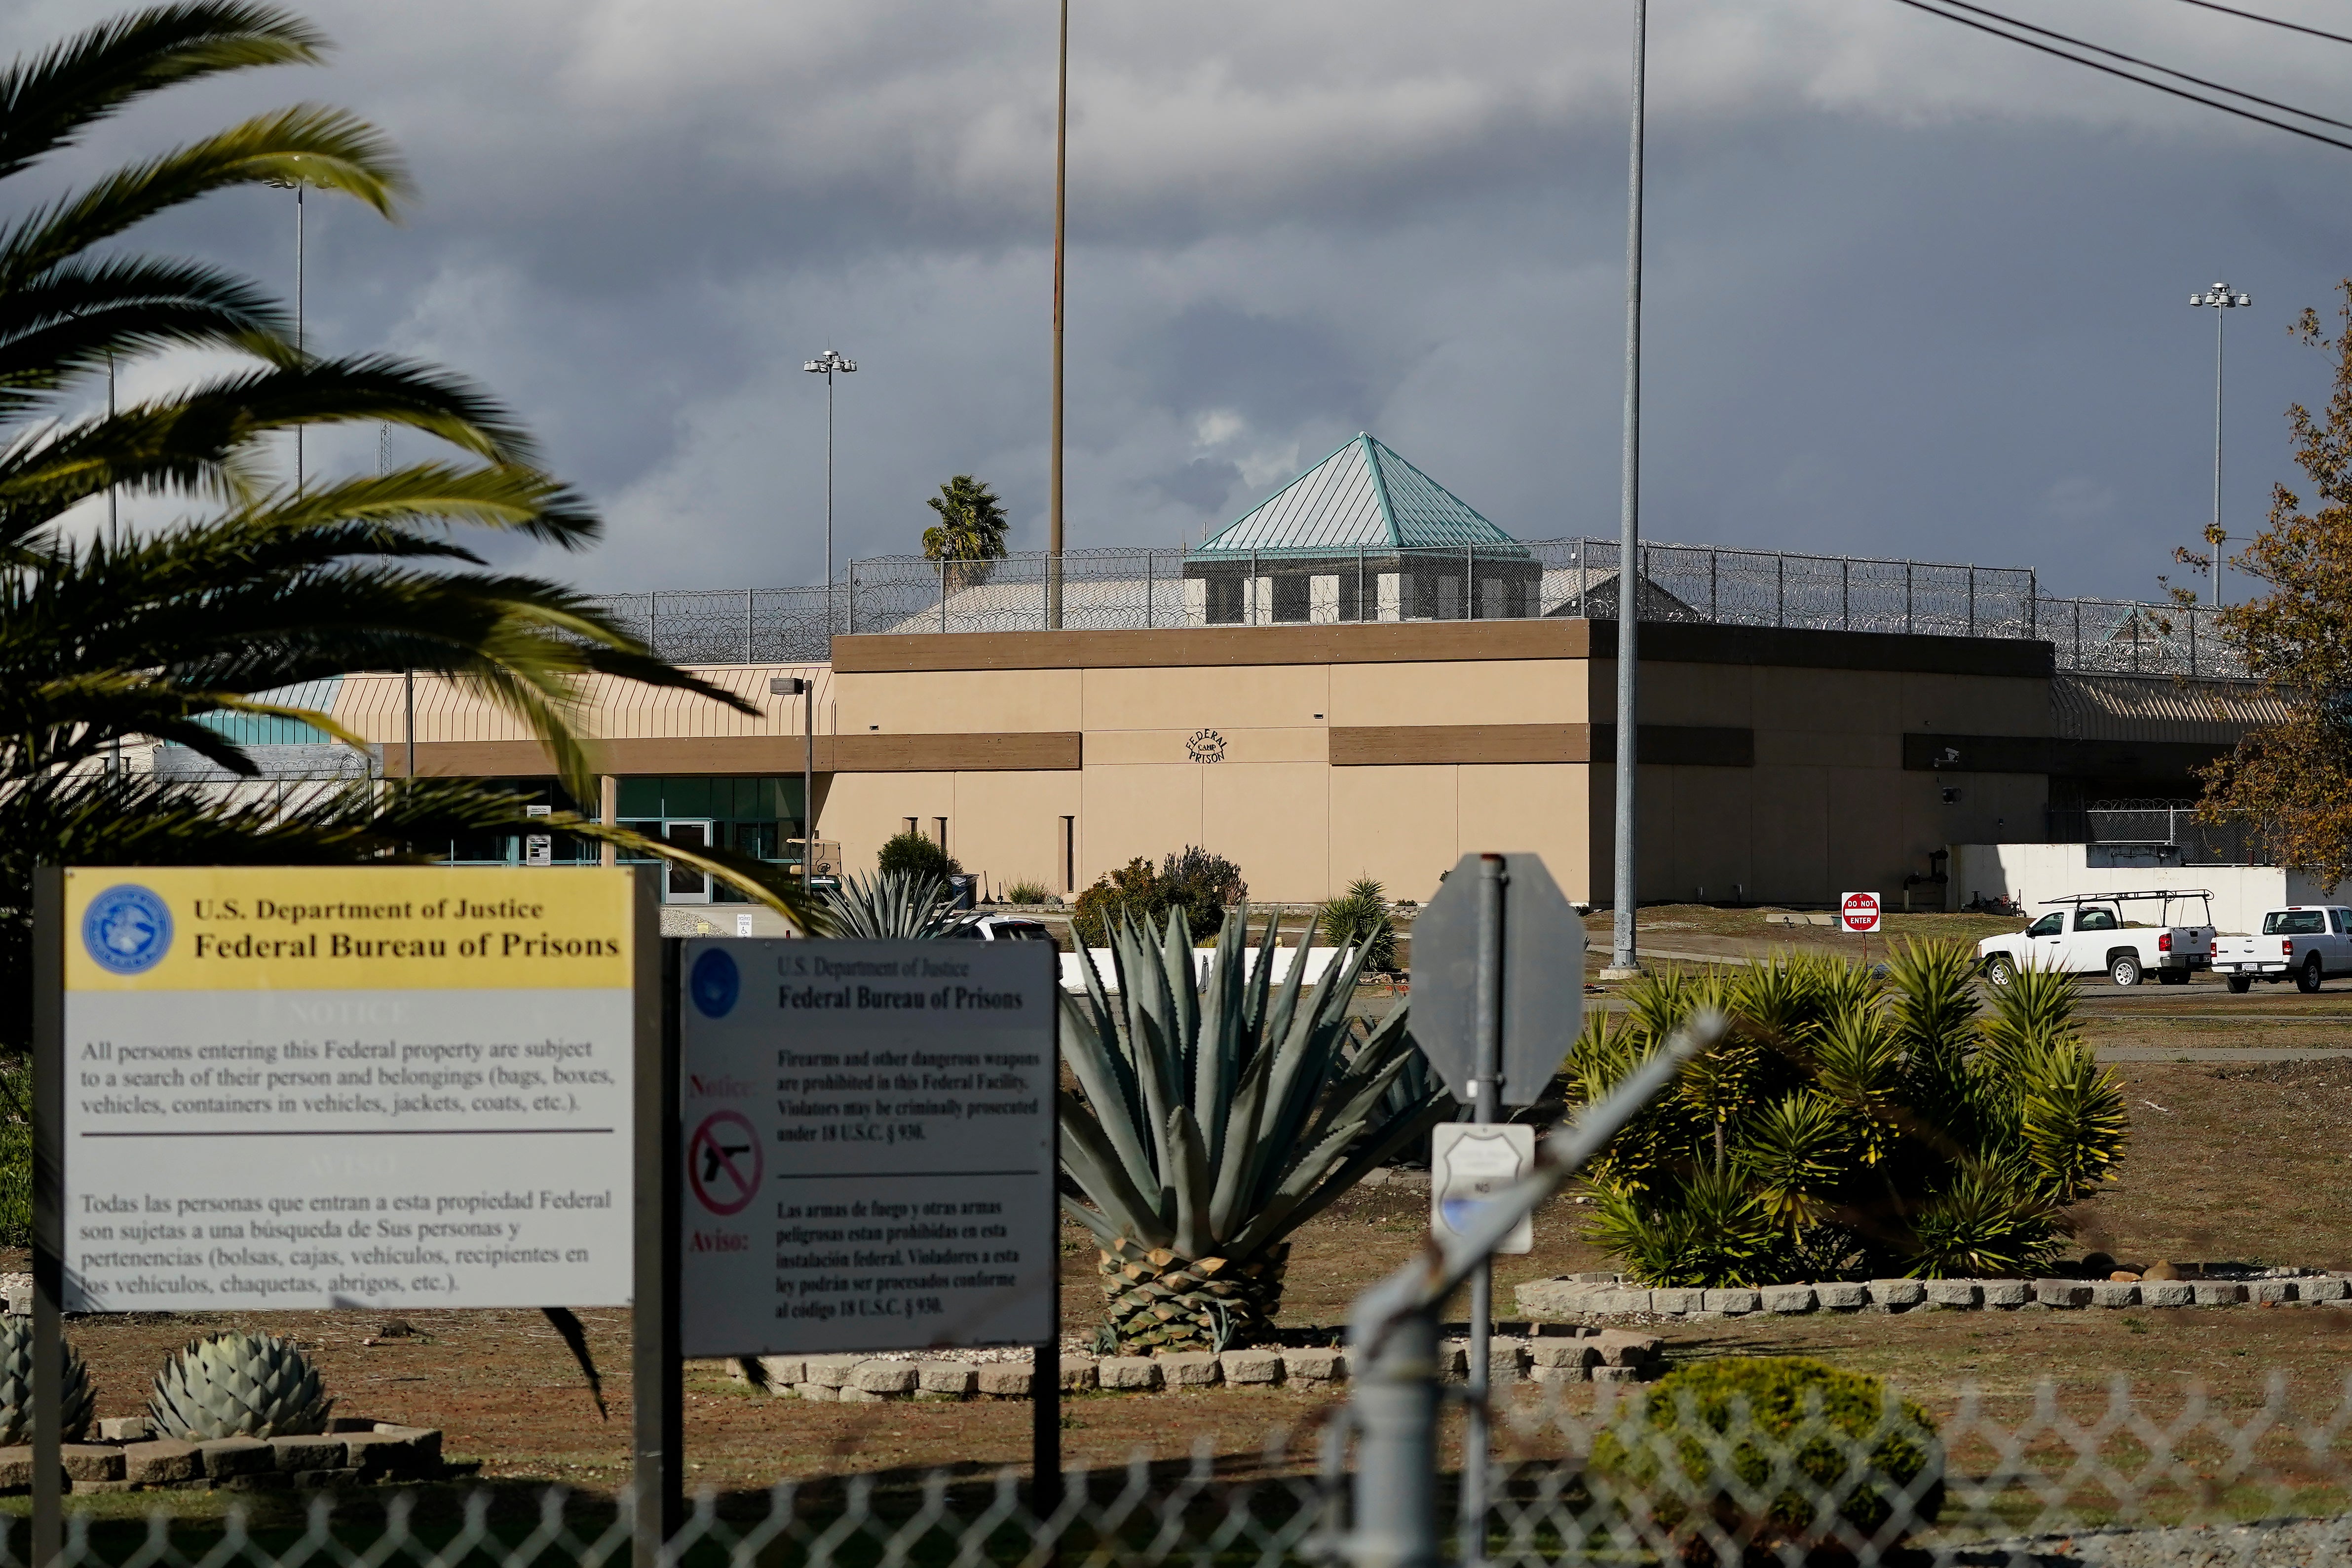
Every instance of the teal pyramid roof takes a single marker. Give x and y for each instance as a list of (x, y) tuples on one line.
[(1362, 496)]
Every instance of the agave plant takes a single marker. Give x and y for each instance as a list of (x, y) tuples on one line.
[(1852, 1123), (1215, 1118), (238, 1385), (16, 1386), (892, 906)]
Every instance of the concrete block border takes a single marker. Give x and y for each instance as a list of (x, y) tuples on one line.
[(127, 1457), (1585, 1296), (1547, 1353)]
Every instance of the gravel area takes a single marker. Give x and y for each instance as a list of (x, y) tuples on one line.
[(2271, 1543)]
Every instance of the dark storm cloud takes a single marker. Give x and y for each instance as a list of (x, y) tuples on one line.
[(1912, 291)]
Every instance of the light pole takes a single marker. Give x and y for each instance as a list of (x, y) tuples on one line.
[(1061, 210), (805, 689), (826, 364), (1624, 958), (2221, 300)]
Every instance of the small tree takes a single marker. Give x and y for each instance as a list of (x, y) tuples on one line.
[(909, 854), (971, 529), (2292, 780)]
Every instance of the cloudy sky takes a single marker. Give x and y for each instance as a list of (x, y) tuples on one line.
[(1911, 290)]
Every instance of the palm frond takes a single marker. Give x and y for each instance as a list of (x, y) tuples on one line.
[(328, 149), (49, 100)]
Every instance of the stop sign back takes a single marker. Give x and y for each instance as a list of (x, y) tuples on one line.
[(1858, 912)]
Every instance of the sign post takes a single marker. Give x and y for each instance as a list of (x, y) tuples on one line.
[(331, 1087), (1860, 914), (869, 1155), (1499, 997)]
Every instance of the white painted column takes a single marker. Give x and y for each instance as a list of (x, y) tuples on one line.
[(1391, 591)]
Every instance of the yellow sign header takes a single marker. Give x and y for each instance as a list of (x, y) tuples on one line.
[(347, 928)]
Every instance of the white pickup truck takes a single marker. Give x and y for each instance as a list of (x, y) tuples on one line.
[(2306, 942), (2089, 935)]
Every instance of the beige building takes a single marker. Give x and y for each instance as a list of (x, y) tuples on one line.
[(1362, 676), (1781, 766)]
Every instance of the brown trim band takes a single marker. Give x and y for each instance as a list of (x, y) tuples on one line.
[(2055, 756), (1676, 642), (1410, 745), (1416, 642), (1046, 751)]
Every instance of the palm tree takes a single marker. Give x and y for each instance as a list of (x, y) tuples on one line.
[(263, 584), (971, 528)]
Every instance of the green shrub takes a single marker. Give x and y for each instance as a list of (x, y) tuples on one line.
[(1850, 1126), (1815, 1452), (1133, 890), (1204, 885), (913, 855), (1199, 883), (1361, 915), (1026, 891), (15, 1156)]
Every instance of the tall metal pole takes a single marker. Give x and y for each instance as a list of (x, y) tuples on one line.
[(1486, 1102), (1624, 959), (2215, 542), (113, 545), (299, 259), (808, 779), (826, 364), (1061, 210), (828, 505), (2220, 300)]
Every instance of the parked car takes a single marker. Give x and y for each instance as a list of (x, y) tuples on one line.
[(2089, 934), (2309, 942), (1002, 927)]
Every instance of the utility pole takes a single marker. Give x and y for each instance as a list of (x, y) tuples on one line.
[(826, 364), (1061, 210), (2221, 300), (1624, 958)]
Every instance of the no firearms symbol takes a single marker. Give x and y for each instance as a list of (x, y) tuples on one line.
[(723, 1163)]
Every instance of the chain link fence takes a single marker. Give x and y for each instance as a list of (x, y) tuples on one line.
[(1136, 590), (1584, 1474)]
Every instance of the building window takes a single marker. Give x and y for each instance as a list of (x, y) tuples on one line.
[(1069, 854), (758, 817)]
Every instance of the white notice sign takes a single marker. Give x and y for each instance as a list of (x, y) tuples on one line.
[(346, 1086), (869, 1145), (1470, 1164)]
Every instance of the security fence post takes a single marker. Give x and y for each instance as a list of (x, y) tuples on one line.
[(1392, 1327)]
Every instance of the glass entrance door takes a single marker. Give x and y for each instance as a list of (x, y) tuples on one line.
[(684, 885)]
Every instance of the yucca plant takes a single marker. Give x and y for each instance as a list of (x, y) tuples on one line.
[(1361, 917), (1214, 1119), (1851, 1123), (78, 1400), (238, 1385), (892, 906)]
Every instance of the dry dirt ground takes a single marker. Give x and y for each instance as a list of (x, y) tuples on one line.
[(2237, 1163)]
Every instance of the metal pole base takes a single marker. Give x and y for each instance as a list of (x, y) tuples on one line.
[(1614, 973)]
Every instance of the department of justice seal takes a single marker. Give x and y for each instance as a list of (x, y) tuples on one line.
[(714, 984), (127, 928)]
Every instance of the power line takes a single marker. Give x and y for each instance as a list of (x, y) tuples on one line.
[(2151, 65), (2270, 21), (2127, 75)]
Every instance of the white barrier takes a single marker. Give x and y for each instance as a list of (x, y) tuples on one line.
[(1318, 959)]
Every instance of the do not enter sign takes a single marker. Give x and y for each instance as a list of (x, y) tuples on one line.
[(1858, 912)]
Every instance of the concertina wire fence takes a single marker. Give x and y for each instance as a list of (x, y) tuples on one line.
[(1128, 590), (2089, 1476)]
